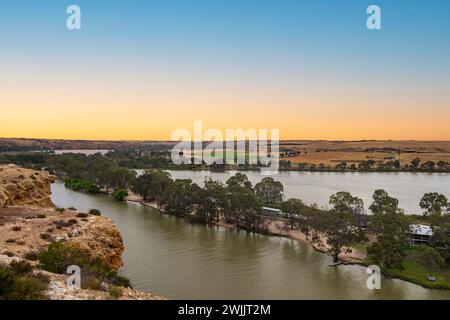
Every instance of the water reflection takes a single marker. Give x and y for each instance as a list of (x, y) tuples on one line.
[(170, 257)]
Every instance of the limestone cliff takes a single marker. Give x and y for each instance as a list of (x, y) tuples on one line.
[(100, 238), (29, 223), (20, 186)]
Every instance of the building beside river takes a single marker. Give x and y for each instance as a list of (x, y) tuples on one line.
[(420, 234)]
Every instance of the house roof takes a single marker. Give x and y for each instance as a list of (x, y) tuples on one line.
[(421, 229), (271, 209)]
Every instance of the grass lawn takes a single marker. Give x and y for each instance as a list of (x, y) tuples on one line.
[(417, 273)]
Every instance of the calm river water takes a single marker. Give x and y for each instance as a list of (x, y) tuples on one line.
[(170, 257)]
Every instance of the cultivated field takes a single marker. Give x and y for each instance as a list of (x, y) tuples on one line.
[(333, 152)]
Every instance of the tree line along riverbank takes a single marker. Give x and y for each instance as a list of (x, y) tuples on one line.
[(160, 158), (384, 237)]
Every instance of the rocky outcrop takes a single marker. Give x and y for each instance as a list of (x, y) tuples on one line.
[(29, 223), (25, 229), (20, 186), (101, 239)]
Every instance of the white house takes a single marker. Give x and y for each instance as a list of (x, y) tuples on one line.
[(266, 211), (420, 234)]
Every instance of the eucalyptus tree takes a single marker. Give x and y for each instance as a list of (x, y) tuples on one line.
[(392, 231), (269, 191), (343, 201), (292, 208), (434, 203), (180, 197)]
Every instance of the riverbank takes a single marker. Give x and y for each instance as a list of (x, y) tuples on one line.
[(132, 197), (181, 260), (276, 227), (352, 255)]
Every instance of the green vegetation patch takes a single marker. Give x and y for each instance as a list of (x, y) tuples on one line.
[(59, 256), (415, 271), (18, 283), (81, 185), (120, 195)]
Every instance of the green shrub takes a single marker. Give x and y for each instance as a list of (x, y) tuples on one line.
[(58, 256), (91, 283), (121, 281), (115, 292), (120, 195), (81, 185), (28, 288), (7, 281), (95, 212), (15, 287)]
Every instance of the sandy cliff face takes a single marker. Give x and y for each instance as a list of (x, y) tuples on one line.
[(30, 229), (29, 223), (21, 231), (20, 186), (101, 238), (24, 191)]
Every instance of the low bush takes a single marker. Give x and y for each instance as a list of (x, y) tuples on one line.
[(120, 195), (91, 283), (21, 267), (115, 292), (58, 256), (95, 212), (16, 287), (61, 224), (82, 215), (31, 256), (8, 254), (46, 237)]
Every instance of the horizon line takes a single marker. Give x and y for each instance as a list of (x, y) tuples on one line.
[(284, 140)]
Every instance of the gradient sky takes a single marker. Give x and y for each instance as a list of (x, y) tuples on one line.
[(141, 69)]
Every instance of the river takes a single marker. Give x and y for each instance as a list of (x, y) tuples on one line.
[(317, 187), (170, 257)]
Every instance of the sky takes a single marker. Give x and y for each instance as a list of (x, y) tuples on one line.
[(142, 69)]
